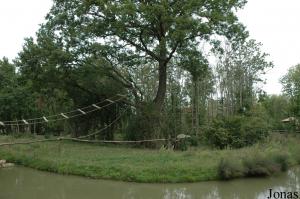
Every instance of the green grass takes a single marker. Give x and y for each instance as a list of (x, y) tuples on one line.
[(143, 165)]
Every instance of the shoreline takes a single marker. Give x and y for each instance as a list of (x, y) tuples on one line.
[(154, 166)]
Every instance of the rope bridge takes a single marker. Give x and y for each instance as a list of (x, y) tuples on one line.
[(87, 141), (72, 114), (66, 115)]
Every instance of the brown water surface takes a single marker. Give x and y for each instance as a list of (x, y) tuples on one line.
[(25, 183)]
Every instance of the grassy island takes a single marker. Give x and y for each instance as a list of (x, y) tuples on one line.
[(145, 165)]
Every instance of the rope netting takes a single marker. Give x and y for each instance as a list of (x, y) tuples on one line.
[(66, 115), (77, 113)]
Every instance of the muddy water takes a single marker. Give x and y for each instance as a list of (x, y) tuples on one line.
[(25, 183)]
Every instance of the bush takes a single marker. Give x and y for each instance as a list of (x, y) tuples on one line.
[(254, 130), (260, 166), (236, 132), (147, 123), (255, 164), (297, 157), (229, 169), (217, 137), (282, 160), (193, 141), (182, 145)]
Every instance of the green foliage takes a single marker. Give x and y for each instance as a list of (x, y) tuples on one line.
[(182, 144), (54, 84), (236, 132), (136, 128), (88, 51), (141, 127), (194, 140), (216, 135), (238, 71), (277, 108), (259, 165), (129, 35), (255, 163), (144, 165), (229, 169), (15, 97), (291, 87), (112, 162), (254, 130), (283, 160)]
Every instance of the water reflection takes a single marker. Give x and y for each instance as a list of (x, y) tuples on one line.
[(24, 183)]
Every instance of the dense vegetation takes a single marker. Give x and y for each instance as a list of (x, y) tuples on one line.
[(144, 165), (184, 67)]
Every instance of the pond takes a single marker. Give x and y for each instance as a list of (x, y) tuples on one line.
[(25, 183)]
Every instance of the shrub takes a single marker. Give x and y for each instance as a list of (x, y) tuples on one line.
[(234, 126), (282, 160), (254, 129), (182, 145), (147, 123), (260, 166), (193, 141), (229, 169), (217, 137), (235, 132), (297, 158), (135, 129)]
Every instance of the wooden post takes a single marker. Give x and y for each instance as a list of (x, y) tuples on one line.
[(18, 129), (34, 129)]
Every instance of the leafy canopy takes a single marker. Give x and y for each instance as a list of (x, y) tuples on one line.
[(127, 34)]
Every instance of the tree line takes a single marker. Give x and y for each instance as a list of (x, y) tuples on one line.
[(185, 67)]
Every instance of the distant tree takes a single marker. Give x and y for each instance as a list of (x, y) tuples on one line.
[(15, 99), (195, 62), (8, 88), (291, 87), (239, 70), (58, 86), (277, 108)]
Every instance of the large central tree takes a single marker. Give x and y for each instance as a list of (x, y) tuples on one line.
[(130, 33)]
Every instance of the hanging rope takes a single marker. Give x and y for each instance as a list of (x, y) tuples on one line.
[(73, 113), (109, 125), (86, 141), (80, 139), (78, 112), (30, 142), (64, 116), (116, 141)]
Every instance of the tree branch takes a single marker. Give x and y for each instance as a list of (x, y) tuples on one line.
[(150, 53), (173, 51)]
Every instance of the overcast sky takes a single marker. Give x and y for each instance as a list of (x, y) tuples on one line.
[(274, 23), (19, 19)]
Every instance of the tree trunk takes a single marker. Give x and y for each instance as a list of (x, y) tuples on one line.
[(162, 85), (196, 106)]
